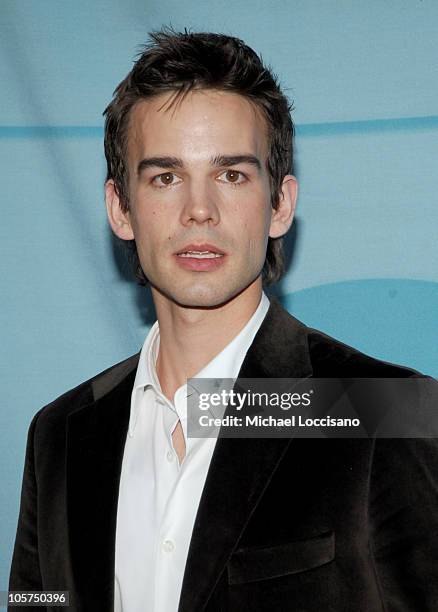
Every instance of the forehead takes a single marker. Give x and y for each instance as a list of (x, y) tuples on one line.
[(203, 123)]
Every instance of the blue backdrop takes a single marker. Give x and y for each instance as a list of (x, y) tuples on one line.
[(364, 268)]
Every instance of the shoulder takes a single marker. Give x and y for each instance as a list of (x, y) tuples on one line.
[(89, 391), (328, 356), (331, 357)]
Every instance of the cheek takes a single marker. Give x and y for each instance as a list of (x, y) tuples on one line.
[(256, 238), (258, 223), (151, 227)]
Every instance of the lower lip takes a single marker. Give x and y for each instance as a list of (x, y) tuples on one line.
[(200, 265)]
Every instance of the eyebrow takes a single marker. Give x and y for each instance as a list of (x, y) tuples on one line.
[(159, 162), (233, 160), (218, 161)]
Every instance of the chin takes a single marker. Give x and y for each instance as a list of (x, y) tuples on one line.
[(201, 297), (204, 295)]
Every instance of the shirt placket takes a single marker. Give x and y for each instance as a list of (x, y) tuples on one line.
[(168, 474)]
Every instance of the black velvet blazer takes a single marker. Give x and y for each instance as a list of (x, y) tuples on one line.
[(301, 525)]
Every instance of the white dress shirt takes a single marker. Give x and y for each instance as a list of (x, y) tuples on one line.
[(158, 497)]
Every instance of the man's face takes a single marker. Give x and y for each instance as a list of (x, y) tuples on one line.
[(199, 190)]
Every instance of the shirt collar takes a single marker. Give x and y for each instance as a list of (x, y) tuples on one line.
[(146, 375), (228, 362), (225, 364)]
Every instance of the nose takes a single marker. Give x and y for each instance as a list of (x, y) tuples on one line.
[(200, 205)]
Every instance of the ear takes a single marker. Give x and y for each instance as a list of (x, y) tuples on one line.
[(118, 219), (282, 217)]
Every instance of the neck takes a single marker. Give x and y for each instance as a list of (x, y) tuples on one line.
[(191, 337)]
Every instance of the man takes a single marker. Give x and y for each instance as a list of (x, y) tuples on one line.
[(119, 506)]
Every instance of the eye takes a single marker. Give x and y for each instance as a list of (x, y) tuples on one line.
[(233, 176), (165, 179)]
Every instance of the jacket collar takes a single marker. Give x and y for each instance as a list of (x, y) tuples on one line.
[(280, 348)]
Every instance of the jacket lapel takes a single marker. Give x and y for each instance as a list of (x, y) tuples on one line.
[(241, 469), (96, 436)]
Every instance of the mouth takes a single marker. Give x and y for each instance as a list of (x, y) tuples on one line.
[(200, 251), (200, 254), (200, 257)]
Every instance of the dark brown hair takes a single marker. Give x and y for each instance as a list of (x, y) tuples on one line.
[(181, 61)]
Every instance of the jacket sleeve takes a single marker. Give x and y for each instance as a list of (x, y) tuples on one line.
[(404, 523), (25, 570)]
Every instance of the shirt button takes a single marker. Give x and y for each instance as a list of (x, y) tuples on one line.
[(168, 546), (169, 456)]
